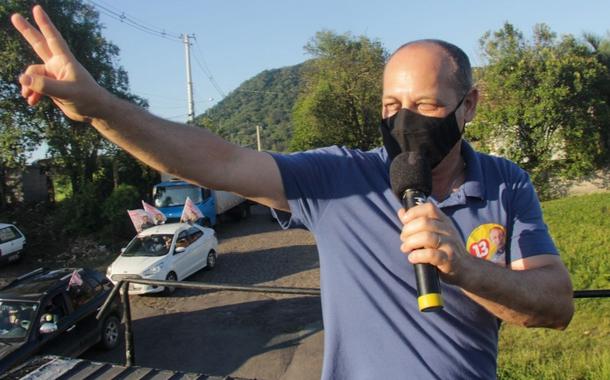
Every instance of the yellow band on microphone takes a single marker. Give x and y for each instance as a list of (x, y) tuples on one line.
[(430, 302)]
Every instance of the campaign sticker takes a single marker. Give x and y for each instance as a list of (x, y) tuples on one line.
[(488, 242)]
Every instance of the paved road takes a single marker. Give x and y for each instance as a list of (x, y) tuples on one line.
[(252, 335)]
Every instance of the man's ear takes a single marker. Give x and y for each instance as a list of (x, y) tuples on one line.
[(470, 104)]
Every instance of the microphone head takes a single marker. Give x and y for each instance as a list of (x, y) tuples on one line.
[(410, 170)]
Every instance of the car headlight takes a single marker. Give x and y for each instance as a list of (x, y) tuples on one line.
[(153, 270)]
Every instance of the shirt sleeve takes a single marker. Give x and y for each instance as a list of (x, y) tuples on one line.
[(530, 235), (308, 179)]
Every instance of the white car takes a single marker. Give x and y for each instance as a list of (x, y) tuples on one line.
[(12, 243), (171, 251)]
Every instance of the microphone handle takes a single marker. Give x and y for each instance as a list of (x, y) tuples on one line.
[(426, 275)]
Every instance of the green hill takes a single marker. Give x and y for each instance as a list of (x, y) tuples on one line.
[(266, 100)]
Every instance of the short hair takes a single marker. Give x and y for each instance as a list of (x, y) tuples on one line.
[(462, 76)]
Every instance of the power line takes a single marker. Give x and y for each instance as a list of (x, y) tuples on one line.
[(130, 21), (206, 70), (176, 116)]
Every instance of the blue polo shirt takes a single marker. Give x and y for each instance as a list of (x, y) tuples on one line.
[(373, 327)]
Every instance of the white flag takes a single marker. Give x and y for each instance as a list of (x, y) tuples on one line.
[(75, 280), (158, 216), (190, 213), (140, 219)]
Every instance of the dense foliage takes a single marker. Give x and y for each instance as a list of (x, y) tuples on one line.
[(265, 100), (544, 103), (341, 100), (85, 166)]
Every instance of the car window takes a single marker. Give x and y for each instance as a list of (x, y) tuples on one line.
[(16, 319), (56, 306), (194, 233), (102, 279), (80, 294), (182, 240), (149, 245), (176, 195), (97, 287), (9, 233)]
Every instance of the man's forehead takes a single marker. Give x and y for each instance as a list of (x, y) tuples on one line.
[(421, 66), (435, 57)]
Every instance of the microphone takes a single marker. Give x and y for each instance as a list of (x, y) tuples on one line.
[(411, 180)]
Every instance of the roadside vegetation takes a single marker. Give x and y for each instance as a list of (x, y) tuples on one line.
[(580, 227)]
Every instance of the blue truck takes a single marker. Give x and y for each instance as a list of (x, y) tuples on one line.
[(169, 198)]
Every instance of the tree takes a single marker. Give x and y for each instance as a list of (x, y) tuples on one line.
[(74, 147), (542, 103), (341, 99), (267, 100)]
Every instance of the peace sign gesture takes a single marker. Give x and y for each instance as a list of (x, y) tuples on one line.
[(60, 76)]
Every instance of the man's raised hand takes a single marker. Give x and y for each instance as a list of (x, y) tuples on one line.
[(60, 76)]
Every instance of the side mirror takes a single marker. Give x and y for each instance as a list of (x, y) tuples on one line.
[(179, 249), (123, 249), (48, 328)]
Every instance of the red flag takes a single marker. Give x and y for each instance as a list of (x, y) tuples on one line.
[(158, 217), (190, 213), (140, 219), (75, 279)]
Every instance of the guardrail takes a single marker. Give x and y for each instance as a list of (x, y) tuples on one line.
[(123, 287)]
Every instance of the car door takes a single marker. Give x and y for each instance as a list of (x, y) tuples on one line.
[(181, 259), (65, 341), (11, 240), (81, 299), (197, 253)]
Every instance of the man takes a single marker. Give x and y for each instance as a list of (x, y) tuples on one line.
[(373, 328)]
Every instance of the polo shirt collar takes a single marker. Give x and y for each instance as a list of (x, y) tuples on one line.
[(472, 186)]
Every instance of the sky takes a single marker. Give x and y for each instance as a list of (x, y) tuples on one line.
[(237, 39)]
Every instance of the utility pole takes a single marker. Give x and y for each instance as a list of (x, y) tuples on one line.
[(258, 137), (189, 81)]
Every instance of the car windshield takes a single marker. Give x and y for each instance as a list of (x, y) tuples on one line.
[(16, 319), (176, 195), (149, 245)]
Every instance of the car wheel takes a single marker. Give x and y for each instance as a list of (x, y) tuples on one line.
[(171, 276), (211, 260), (110, 332)]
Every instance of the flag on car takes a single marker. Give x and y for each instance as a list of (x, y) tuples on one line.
[(75, 280), (140, 219), (158, 216), (190, 213)]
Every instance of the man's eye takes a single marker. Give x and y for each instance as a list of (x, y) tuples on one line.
[(392, 107), (427, 107)]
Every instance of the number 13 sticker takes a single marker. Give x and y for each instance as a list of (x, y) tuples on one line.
[(487, 241), (480, 248)]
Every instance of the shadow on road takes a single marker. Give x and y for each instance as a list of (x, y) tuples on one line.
[(255, 267), (219, 340), (259, 221)]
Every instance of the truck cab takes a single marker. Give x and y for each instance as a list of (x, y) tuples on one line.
[(169, 198)]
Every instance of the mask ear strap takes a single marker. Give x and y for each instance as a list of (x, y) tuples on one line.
[(461, 101)]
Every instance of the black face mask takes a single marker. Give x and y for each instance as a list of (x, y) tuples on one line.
[(408, 131)]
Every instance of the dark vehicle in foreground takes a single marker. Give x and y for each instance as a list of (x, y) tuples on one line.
[(53, 312)]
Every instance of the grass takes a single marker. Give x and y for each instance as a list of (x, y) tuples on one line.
[(580, 227)]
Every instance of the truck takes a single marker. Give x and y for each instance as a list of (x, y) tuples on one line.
[(169, 197)]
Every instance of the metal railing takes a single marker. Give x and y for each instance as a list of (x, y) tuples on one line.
[(123, 287)]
